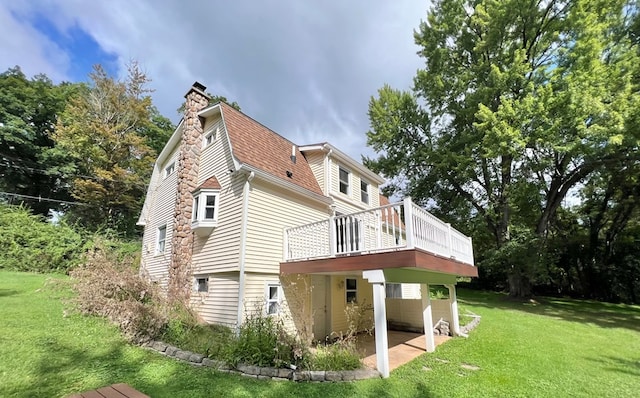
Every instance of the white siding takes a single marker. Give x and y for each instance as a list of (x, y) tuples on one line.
[(409, 311), (160, 212), (316, 163), (220, 304), (339, 321), (219, 251), (352, 202), (271, 210)]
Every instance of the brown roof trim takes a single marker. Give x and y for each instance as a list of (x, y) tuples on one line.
[(209, 183)]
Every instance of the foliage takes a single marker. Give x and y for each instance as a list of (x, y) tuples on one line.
[(183, 330), (28, 114), (263, 341), (519, 105), (29, 243), (110, 286), (555, 348), (337, 356), (108, 131)]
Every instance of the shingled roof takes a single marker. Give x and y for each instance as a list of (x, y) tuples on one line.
[(209, 183), (257, 146)]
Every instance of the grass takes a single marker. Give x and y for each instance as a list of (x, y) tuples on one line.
[(552, 347)]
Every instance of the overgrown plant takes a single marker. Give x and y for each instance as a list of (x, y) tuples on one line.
[(109, 285)]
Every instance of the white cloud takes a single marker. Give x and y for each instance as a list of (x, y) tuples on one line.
[(305, 69)]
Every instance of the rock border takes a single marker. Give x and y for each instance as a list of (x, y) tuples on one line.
[(276, 374)]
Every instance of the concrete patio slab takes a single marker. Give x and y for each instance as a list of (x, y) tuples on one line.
[(403, 347)]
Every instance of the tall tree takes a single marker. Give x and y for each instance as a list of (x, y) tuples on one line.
[(28, 115), (110, 131), (519, 102)]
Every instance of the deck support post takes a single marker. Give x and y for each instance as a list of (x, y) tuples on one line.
[(408, 222), (455, 323), (376, 278), (427, 317)]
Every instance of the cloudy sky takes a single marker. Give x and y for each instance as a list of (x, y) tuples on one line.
[(306, 69)]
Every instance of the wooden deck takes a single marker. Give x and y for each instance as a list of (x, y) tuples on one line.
[(112, 391)]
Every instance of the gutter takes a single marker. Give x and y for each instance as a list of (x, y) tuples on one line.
[(243, 246)]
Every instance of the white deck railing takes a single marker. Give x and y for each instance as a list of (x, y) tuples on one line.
[(380, 229)]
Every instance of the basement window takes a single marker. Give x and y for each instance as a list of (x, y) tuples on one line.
[(202, 285), (272, 292), (351, 285), (394, 290)]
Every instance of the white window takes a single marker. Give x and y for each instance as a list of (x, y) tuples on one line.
[(364, 192), (210, 137), (344, 180), (161, 238), (351, 285), (169, 169), (202, 284), (272, 293), (394, 290), (205, 206)]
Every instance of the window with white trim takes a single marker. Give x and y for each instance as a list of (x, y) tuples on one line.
[(202, 285), (205, 205), (351, 290), (161, 239), (272, 293), (394, 290), (210, 137), (343, 180), (364, 192), (169, 169)]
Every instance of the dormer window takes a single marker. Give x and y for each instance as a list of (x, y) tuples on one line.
[(169, 169), (206, 202), (210, 137)]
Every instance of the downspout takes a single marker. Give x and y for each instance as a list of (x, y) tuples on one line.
[(243, 246)]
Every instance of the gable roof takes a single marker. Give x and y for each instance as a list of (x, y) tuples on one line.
[(209, 183), (257, 146)]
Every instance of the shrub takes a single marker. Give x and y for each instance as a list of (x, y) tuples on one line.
[(186, 332), (263, 341), (30, 243), (337, 356), (110, 286)]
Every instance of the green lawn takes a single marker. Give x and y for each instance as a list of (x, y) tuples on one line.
[(549, 348)]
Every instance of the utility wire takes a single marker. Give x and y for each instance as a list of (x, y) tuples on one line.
[(40, 198)]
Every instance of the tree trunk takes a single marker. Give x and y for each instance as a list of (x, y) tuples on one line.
[(519, 284)]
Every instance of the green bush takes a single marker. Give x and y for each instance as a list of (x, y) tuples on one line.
[(263, 341), (184, 331), (334, 357), (30, 243)]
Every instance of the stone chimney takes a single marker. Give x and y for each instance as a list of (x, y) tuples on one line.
[(180, 283)]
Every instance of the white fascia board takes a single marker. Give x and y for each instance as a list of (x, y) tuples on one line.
[(354, 164), (287, 185), (173, 141)]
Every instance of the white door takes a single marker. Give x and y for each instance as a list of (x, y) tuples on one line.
[(320, 306)]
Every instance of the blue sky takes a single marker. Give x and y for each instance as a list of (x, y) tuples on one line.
[(305, 69)]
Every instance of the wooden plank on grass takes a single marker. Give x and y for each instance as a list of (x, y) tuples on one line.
[(129, 391), (110, 392)]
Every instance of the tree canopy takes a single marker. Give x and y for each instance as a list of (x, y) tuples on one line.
[(520, 107)]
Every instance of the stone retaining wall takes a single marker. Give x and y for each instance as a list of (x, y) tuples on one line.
[(278, 374)]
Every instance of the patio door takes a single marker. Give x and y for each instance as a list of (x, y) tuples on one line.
[(321, 306)]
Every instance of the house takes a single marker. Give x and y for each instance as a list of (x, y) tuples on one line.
[(237, 218)]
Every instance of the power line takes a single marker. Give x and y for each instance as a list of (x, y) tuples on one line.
[(40, 198)]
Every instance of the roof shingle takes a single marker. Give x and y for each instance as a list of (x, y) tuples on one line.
[(256, 145)]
